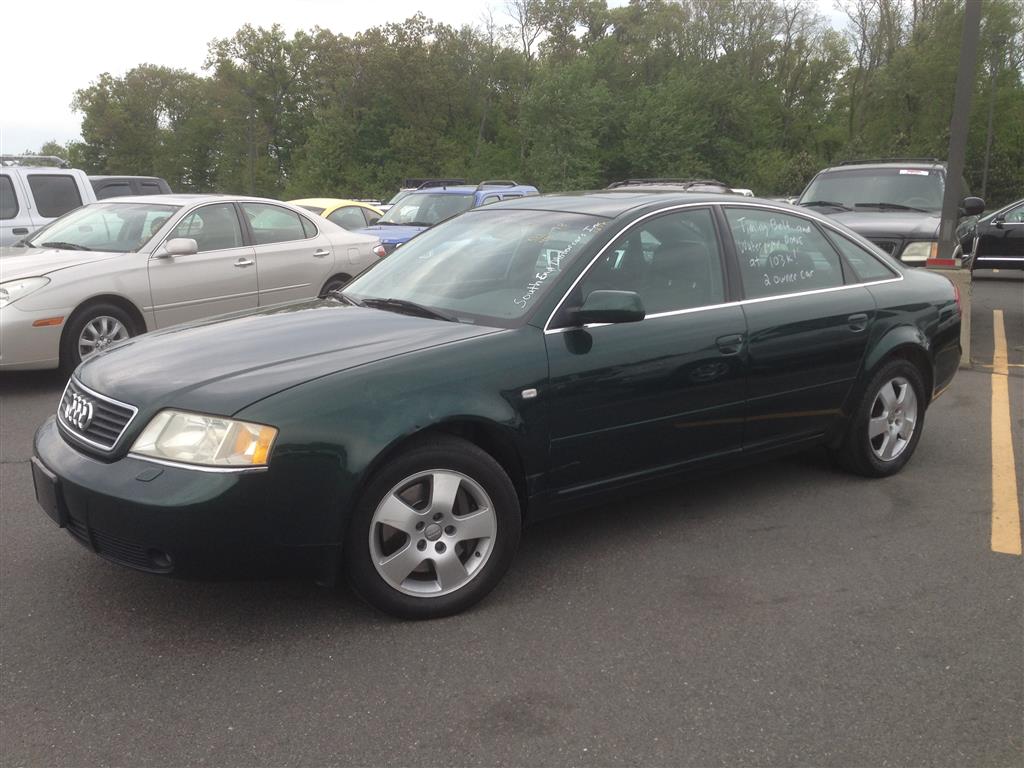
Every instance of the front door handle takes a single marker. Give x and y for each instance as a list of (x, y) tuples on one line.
[(244, 263), (19, 231), (731, 344), (857, 322), (321, 253)]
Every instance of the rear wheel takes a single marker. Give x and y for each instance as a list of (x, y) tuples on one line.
[(92, 330), (434, 532), (886, 427), (334, 284)]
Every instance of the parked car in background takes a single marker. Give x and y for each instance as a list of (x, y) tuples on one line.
[(347, 214), (995, 241), (674, 185), (33, 194), (434, 202), (411, 185), (122, 186), (894, 203), (117, 268), (512, 363)]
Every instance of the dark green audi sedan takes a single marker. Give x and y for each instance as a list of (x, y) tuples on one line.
[(519, 360)]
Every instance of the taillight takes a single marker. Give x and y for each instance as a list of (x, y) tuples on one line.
[(379, 251)]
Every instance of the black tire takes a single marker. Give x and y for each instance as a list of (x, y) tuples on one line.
[(445, 454), (334, 284), (856, 453), (69, 353)]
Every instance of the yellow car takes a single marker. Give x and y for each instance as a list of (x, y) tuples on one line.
[(349, 214)]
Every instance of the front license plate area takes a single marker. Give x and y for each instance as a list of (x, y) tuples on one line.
[(48, 493)]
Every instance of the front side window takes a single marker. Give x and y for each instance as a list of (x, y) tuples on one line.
[(673, 262), (273, 224), (54, 194), (865, 266), (425, 209), (1015, 216), (349, 217), (8, 200), (110, 227), (780, 254), (488, 267), (880, 189), (213, 227)]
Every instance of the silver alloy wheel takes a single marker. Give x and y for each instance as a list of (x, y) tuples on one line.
[(432, 533), (99, 333), (893, 419)]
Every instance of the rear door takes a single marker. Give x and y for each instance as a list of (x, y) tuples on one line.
[(293, 258), (807, 325), (220, 278)]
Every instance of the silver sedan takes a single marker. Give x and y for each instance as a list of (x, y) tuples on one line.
[(114, 269)]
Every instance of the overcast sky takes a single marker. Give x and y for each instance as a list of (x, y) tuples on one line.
[(47, 63)]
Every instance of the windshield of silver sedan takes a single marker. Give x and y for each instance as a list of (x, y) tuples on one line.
[(106, 227), (486, 267)]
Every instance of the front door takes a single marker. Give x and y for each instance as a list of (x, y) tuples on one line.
[(220, 278), (1003, 245), (807, 327), (630, 400)]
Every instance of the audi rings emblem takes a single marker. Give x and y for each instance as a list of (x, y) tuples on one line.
[(78, 412)]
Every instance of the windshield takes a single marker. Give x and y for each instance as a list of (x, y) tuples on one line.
[(489, 267), (108, 227), (425, 209), (862, 187)]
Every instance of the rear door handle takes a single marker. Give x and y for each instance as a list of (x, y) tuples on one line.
[(321, 253), (858, 322), (244, 263), (731, 344)]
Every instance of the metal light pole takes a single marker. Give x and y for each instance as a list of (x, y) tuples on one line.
[(958, 134)]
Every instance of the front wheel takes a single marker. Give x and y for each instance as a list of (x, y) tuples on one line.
[(92, 330), (887, 424), (434, 532)]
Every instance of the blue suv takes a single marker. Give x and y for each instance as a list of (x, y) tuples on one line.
[(433, 202)]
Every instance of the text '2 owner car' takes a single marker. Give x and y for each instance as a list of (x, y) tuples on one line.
[(517, 361)]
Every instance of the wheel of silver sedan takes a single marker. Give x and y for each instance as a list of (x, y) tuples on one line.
[(894, 416), (433, 533), (100, 332)]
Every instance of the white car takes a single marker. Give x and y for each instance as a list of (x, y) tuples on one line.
[(117, 268)]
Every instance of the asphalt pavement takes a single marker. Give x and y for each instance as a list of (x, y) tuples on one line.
[(785, 614)]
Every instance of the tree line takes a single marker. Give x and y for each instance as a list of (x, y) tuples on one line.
[(570, 94)]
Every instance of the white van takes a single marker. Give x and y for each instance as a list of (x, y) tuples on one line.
[(33, 195)]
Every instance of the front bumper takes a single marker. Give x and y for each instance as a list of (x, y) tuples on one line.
[(164, 519), (24, 346)]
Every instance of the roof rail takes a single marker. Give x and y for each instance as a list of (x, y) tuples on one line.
[(935, 160), (427, 183), (47, 160), (497, 183), (682, 182)]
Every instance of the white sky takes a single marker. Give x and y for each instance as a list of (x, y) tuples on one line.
[(47, 62)]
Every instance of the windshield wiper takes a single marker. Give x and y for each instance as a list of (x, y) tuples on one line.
[(408, 307), (890, 207), (828, 203), (65, 246)]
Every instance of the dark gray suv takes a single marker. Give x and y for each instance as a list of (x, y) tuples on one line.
[(894, 203)]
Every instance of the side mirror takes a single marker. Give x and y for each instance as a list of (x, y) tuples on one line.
[(998, 222), (972, 206), (609, 307), (181, 246)]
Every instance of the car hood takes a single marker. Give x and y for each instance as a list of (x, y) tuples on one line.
[(222, 365), (16, 263), (893, 224), (389, 235)]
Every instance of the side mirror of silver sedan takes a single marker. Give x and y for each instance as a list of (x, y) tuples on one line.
[(179, 246)]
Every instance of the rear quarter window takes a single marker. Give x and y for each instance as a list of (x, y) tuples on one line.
[(866, 268), (55, 194)]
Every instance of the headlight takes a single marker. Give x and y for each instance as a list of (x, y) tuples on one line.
[(13, 290), (920, 251), (211, 441)]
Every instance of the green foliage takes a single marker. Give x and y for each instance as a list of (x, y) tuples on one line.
[(571, 94)]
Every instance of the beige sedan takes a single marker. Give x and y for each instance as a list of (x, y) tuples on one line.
[(114, 269)]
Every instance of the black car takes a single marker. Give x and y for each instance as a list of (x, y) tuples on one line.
[(520, 360), (122, 186), (896, 204), (996, 241)]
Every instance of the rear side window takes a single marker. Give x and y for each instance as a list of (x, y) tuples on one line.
[(54, 194), (8, 200), (272, 224), (113, 190), (865, 266), (780, 254)]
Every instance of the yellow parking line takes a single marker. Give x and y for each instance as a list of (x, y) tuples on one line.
[(1005, 500)]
